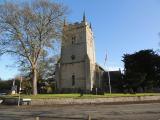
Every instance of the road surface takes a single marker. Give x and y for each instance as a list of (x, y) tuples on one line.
[(147, 111)]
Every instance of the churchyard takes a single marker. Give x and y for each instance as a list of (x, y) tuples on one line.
[(32, 32)]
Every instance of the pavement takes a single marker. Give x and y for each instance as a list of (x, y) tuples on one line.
[(146, 111)]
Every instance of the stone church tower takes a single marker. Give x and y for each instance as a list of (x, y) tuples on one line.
[(76, 68)]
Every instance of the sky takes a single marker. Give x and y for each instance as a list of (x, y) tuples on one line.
[(119, 27)]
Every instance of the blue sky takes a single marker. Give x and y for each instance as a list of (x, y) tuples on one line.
[(119, 26)]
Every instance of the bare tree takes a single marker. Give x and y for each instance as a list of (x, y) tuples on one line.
[(29, 30)]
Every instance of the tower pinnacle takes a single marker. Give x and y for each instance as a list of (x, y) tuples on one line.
[(64, 23), (84, 17), (90, 25)]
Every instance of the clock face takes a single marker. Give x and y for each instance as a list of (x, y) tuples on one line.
[(73, 57)]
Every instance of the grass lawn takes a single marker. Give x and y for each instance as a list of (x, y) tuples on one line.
[(77, 96)]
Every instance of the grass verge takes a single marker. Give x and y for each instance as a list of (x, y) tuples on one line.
[(77, 96)]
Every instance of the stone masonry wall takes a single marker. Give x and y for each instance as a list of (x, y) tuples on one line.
[(68, 101)]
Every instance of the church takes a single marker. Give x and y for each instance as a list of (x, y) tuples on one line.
[(77, 68)]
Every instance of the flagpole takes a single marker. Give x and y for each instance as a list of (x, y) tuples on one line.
[(109, 80)]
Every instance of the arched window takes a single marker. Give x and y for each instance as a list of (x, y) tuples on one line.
[(73, 57), (73, 80)]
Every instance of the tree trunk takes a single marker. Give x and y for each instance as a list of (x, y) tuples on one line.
[(34, 81)]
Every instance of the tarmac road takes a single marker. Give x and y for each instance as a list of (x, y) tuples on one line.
[(147, 111)]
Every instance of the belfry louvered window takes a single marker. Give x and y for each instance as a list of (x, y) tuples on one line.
[(73, 39)]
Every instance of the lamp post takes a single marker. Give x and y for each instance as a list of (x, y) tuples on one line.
[(19, 98)]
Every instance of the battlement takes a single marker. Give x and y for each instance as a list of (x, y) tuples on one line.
[(83, 23)]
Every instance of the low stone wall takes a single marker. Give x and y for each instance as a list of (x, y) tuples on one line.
[(65, 101)]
